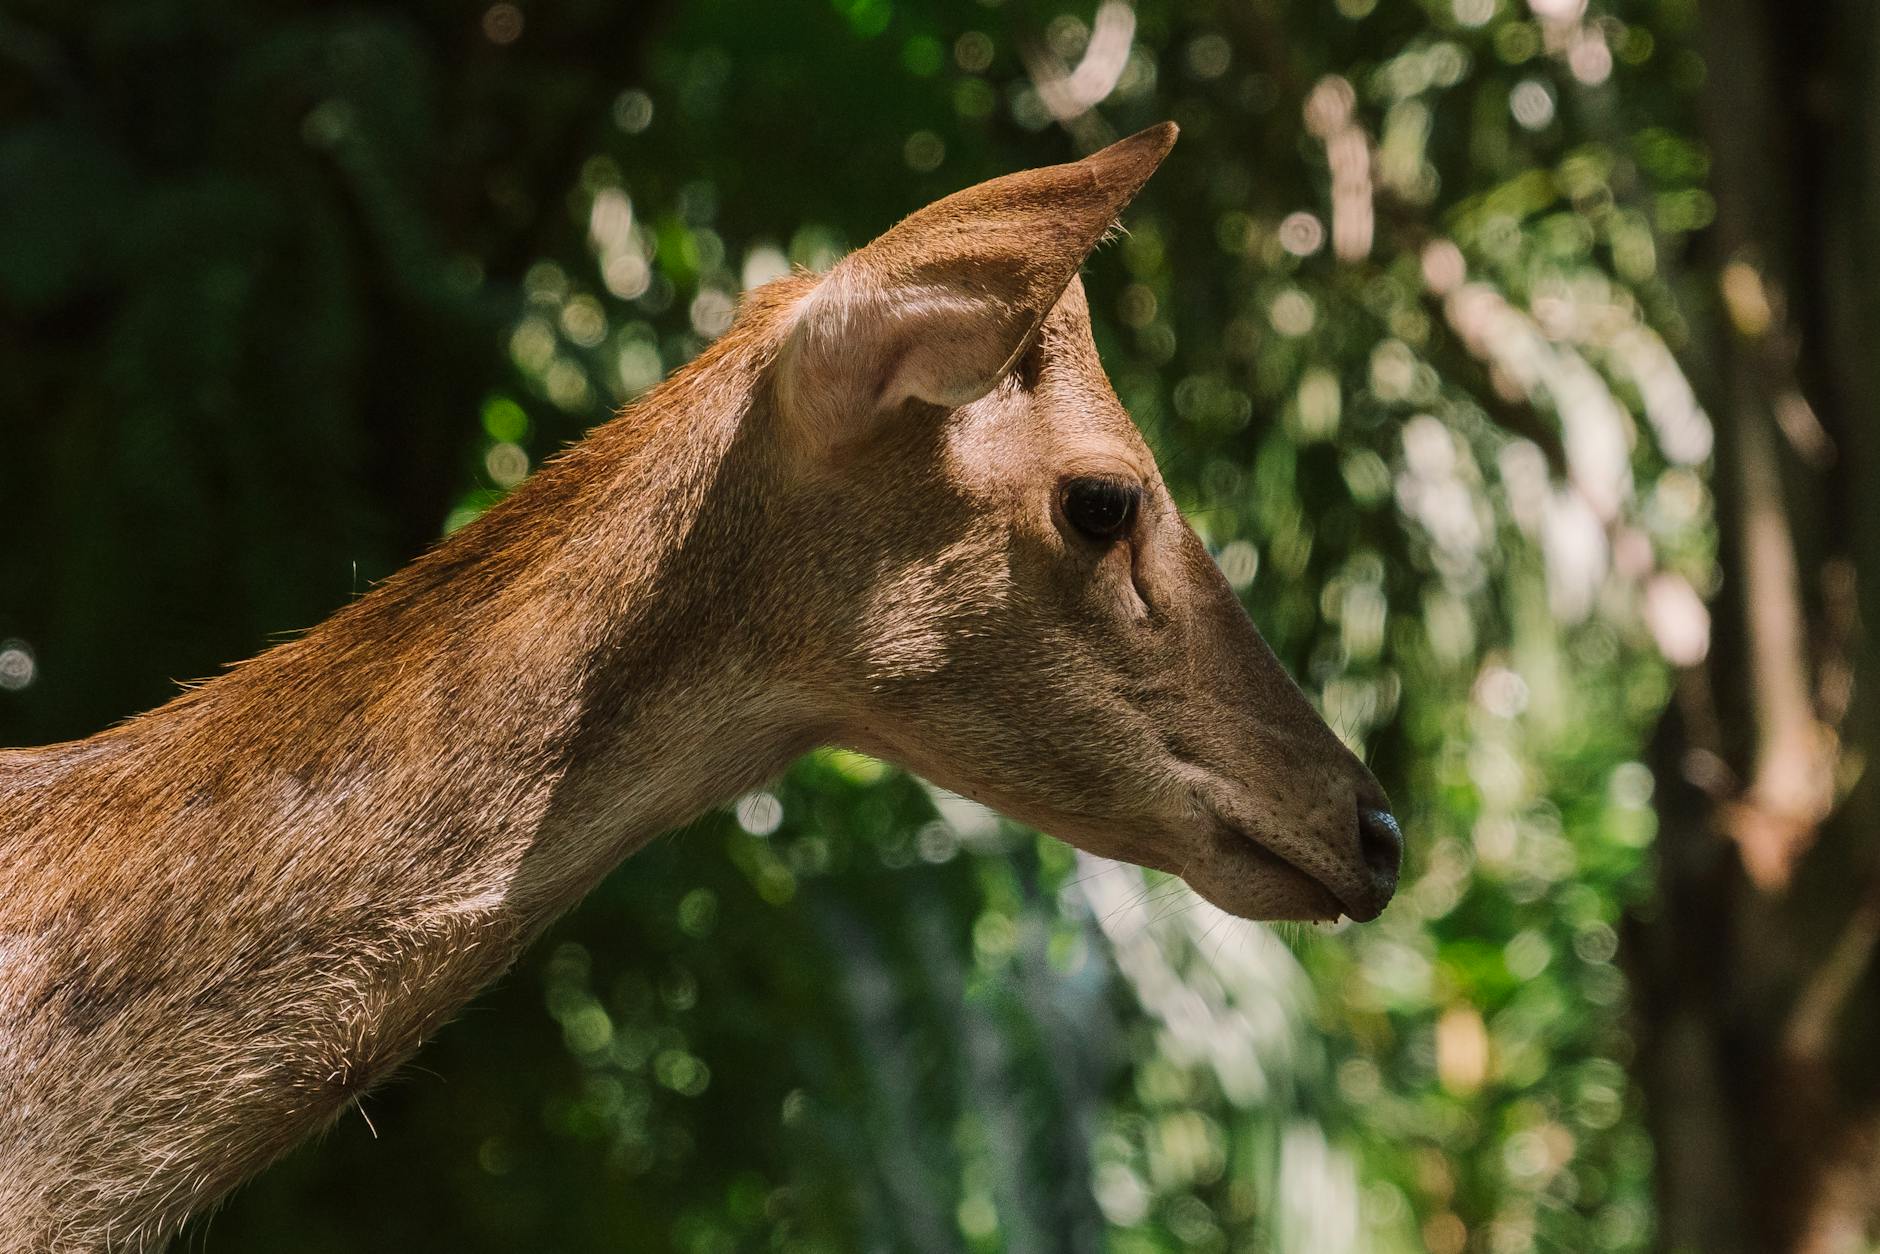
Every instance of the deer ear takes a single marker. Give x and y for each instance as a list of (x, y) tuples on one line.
[(940, 307)]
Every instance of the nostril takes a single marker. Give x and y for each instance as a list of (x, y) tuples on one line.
[(1380, 843)]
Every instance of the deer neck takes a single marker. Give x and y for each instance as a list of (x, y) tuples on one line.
[(582, 669), (249, 905)]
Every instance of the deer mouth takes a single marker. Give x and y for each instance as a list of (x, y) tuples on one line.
[(1272, 886)]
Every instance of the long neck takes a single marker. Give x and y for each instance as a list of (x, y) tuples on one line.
[(221, 922)]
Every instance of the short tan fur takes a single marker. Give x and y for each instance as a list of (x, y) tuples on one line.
[(856, 519)]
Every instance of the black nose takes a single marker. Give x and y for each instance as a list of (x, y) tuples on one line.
[(1380, 843)]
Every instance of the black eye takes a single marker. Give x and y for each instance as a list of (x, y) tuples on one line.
[(1100, 508)]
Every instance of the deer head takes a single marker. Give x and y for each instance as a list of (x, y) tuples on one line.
[(1029, 621)]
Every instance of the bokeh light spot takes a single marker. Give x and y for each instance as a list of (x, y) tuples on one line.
[(502, 23), (17, 665)]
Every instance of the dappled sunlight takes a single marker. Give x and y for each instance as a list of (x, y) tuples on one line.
[(1414, 320), (1490, 586)]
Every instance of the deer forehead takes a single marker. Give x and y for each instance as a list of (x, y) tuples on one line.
[(1065, 423)]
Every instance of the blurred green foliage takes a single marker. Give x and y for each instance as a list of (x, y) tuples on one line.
[(1399, 316)]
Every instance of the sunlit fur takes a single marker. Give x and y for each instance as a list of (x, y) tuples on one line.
[(223, 920)]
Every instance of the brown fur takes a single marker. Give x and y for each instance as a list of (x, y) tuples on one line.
[(224, 919)]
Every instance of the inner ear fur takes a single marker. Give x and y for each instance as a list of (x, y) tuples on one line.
[(941, 306)]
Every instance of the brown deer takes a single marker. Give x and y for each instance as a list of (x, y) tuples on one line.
[(895, 507)]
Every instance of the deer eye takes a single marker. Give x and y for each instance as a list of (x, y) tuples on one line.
[(1100, 508)]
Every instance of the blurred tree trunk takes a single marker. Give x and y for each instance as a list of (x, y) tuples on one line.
[(1757, 988)]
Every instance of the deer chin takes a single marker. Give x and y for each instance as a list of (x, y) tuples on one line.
[(1236, 872), (1219, 859)]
